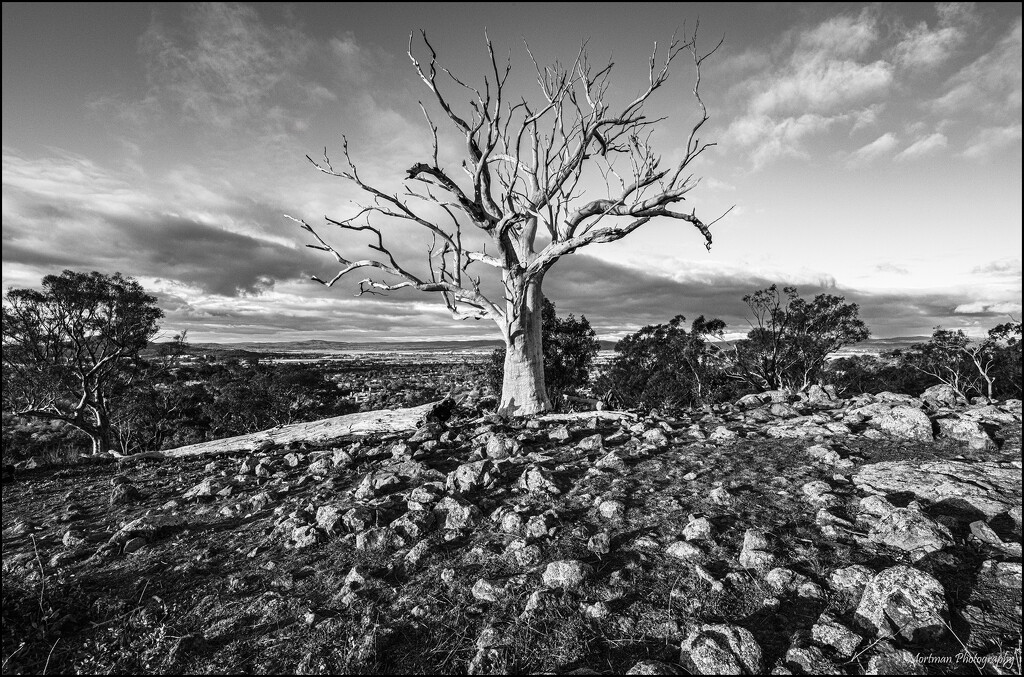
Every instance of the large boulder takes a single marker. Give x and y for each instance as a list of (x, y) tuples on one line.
[(965, 430), (905, 423), (943, 395), (906, 602), (990, 488)]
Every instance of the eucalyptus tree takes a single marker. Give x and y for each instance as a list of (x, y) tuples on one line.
[(70, 348)]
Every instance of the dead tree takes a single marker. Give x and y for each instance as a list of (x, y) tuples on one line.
[(520, 192)]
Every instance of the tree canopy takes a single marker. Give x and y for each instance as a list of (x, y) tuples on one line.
[(69, 347), (790, 337)]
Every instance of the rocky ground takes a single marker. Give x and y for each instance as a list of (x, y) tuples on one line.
[(784, 535)]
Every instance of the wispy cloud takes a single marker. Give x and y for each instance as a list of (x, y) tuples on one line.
[(924, 48), (824, 81), (928, 145), (990, 85), (225, 65), (992, 140), (880, 147)]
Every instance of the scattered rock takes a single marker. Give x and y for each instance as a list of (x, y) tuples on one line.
[(454, 513), (851, 581), (721, 650), (686, 551), (204, 489), (756, 553), (566, 574), (828, 631), (599, 544), (534, 479), (810, 661), (698, 529), (611, 510), (487, 591), (654, 668), (911, 531), (905, 602)]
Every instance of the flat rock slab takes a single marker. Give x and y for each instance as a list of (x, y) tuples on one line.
[(988, 487)]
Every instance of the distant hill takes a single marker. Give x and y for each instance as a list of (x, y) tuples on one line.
[(876, 346)]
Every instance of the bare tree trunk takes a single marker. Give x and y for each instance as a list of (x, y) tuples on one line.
[(523, 392)]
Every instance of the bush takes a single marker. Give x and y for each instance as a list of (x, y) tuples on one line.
[(875, 374), (667, 367), (792, 337), (569, 346), (989, 368)]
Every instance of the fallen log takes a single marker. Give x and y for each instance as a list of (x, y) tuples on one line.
[(324, 432)]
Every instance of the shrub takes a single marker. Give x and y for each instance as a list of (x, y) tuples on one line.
[(874, 374), (666, 367)]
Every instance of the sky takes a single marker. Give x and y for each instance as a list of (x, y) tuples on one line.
[(868, 151)]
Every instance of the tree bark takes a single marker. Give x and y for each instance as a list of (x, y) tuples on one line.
[(102, 433), (523, 392)]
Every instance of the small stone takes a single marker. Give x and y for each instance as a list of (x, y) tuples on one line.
[(756, 554), (559, 434), (487, 591), (811, 661), (599, 544), (686, 551), (566, 574), (698, 529), (720, 496), (851, 580), (654, 668), (657, 437), (453, 513), (204, 489), (829, 632), (134, 545)]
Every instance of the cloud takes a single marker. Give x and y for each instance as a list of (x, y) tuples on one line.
[(225, 65), (928, 145), (989, 309), (824, 81), (924, 48), (891, 268), (98, 220), (991, 140), (1010, 267), (990, 85), (868, 153)]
